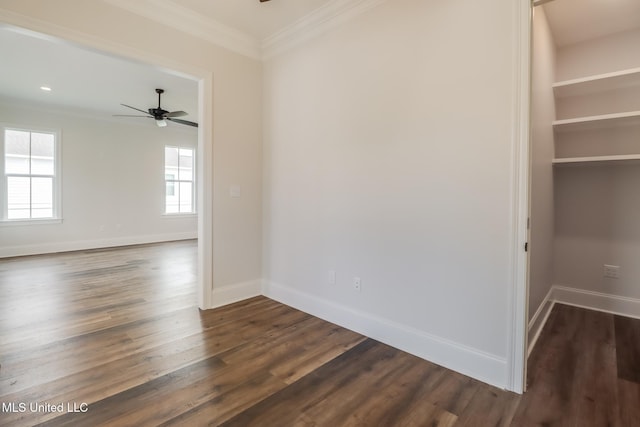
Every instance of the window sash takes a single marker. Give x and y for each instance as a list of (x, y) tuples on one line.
[(177, 176), (43, 188)]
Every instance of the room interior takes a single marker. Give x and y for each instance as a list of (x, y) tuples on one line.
[(356, 179), (111, 166)]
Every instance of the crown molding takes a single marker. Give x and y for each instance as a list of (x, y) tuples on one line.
[(181, 18), (315, 24)]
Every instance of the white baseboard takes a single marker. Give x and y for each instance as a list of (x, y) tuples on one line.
[(539, 319), (237, 292), (485, 367), (623, 306), (80, 245)]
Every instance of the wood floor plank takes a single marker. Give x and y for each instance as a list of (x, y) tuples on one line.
[(75, 354), (627, 333), (339, 393), (154, 400), (313, 388), (629, 407), (40, 365), (404, 380), (133, 369), (219, 409), (572, 378), (451, 391), (289, 356), (417, 404), (490, 407), (595, 388)]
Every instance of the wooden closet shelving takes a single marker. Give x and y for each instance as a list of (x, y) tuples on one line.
[(597, 83), (592, 85), (597, 122), (622, 158)]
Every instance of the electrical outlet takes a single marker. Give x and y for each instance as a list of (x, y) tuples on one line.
[(612, 271), (332, 277), (357, 284), (235, 191)]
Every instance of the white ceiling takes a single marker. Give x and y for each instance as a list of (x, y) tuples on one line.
[(84, 79), (258, 20), (574, 21)]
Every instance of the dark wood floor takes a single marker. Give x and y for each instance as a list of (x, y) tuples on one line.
[(584, 371), (117, 330)]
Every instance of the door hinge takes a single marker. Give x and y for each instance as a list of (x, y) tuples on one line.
[(526, 246)]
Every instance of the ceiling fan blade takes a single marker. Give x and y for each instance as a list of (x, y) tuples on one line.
[(134, 108), (176, 114), (159, 115), (183, 122), (129, 115)]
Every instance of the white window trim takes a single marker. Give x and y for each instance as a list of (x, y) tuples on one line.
[(194, 185), (179, 214), (57, 178)]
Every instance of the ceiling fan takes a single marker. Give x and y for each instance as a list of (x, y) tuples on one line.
[(161, 116)]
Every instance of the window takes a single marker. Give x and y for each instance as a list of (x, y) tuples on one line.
[(179, 180), (30, 176)]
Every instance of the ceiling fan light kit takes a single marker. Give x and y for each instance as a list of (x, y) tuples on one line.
[(161, 116)]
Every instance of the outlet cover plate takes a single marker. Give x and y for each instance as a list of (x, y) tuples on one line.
[(612, 271)]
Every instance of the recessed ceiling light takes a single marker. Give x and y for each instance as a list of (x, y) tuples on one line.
[(45, 88)]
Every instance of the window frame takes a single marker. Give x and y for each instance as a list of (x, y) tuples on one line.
[(56, 177), (176, 182)]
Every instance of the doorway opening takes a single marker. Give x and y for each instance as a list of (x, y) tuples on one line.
[(585, 235), (201, 81)]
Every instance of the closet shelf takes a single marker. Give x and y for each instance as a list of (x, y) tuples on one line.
[(597, 83), (624, 158), (595, 122)]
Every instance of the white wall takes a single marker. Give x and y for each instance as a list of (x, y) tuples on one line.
[(237, 103), (388, 152), (597, 223), (542, 152), (611, 53), (598, 207), (112, 183)]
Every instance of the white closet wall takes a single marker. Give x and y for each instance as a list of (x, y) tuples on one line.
[(615, 52), (597, 203), (542, 152)]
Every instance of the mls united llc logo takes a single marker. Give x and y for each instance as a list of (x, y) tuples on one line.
[(44, 407)]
